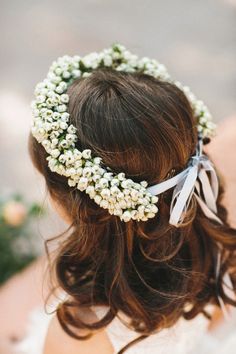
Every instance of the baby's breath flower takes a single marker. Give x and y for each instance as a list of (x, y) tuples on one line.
[(97, 199), (64, 117), (55, 153), (103, 182), (105, 193), (64, 98), (83, 183), (61, 108), (91, 191), (126, 216), (86, 154)]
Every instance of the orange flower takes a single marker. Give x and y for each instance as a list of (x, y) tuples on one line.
[(14, 213)]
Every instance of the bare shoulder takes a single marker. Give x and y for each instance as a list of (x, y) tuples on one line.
[(58, 342)]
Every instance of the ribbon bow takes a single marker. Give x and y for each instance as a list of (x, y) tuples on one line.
[(198, 179)]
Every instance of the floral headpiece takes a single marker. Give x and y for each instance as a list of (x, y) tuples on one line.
[(51, 127)]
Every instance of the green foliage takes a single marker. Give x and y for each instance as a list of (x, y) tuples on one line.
[(17, 246)]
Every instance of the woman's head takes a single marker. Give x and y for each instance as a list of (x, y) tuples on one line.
[(150, 270), (135, 123)]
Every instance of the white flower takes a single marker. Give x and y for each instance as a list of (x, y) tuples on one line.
[(120, 196), (82, 184), (71, 182), (52, 163), (125, 184), (108, 176), (91, 191), (46, 144), (114, 190), (64, 98), (144, 184), (118, 211), (40, 99), (104, 204), (126, 191), (126, 216), (134, 195), (87, 172), (66, 74), (63, 125), (91, 60), (115, 182), (65, 117), (61, 169), (86, 74), (127, 197), (61, 108), (69, 158), (56, 79), (55, 125), (59, 89), (121, 176), (97, 199), (88, 163), (107, 60), (76, 73), (71, 138), (51, 86), (141, 208), (97, 160), (96, 178), (71, 129), (122, 204), (50, 102), (56, 115), (55, 153), (63, 144), (77, 154), (151, 215), (79, 171), (105, 193), (103, 182), (86, 154), (58, 71), (71, 171), (154, 199)]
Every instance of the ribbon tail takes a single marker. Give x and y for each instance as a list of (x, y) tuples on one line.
[(207, 190), (167, 184), (183, 196), (207, 211)]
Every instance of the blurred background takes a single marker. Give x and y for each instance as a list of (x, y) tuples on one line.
[(195, 40)]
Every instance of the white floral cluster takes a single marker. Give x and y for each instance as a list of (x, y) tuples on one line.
[(51, 127), (206, 127)]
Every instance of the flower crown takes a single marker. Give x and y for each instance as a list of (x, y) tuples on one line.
[(51, 127)]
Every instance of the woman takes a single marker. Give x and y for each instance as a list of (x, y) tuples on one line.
[(143, 264)]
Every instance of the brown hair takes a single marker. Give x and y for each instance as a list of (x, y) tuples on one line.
[(151, 271)]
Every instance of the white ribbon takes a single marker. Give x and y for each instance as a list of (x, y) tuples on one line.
[(198, 179)]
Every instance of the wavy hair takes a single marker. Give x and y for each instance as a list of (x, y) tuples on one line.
[(150, 271)]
